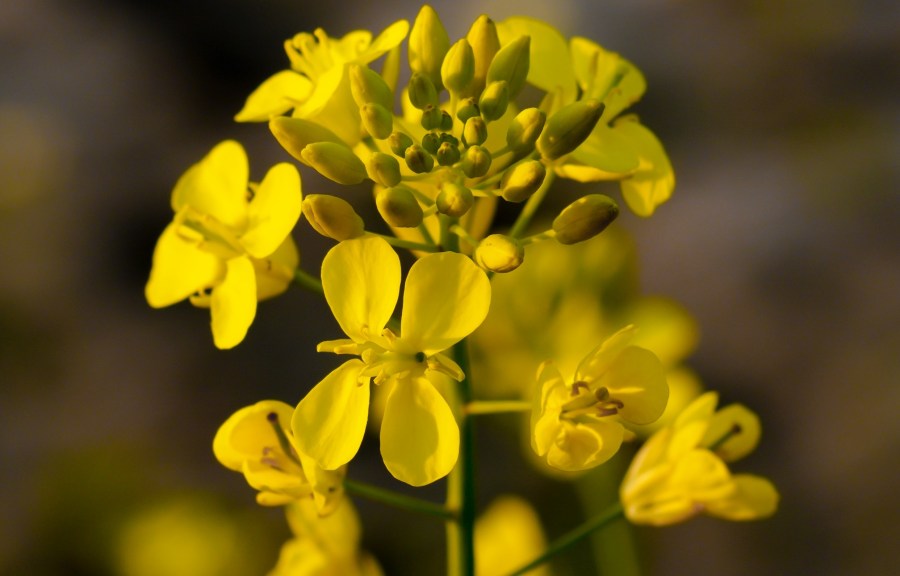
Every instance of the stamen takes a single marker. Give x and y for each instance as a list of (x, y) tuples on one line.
[(286, 447), (733, 431), (420, 357)]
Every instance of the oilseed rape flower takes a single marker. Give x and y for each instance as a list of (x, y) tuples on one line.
[(256, 441), (229, 244), (580, 425), (445, 298), (681, 471)]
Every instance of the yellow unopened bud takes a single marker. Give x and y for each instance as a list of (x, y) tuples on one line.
[(511, 64), (295, 134), (332, 217), (499, 253), (476, 161), (568, 127), (399, 207), (377, 120), (418, 160), (485, 44), (474, 131), (523, 180), (585, 218), (399, 142), (383, 169), (335, 161), (428, 44), (368, 87), (494, 100), (458, 68), (524, 130), (454, 200), (468, 108), (422, 92)]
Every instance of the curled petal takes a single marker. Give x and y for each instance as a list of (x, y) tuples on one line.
[(419, 436), (653, 182), (389, 38), (217, 185), (583, 446), (180, 269), (233, 303), (247, 432), (607, 152), (273, 212), (549, 395), (753, 498), (275, 96), (740, 425)]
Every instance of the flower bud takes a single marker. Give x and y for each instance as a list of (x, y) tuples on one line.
[(454, 200), (485, 44), (335, 161), (585, 218), (447, 154), (468, 107), (458, 68), (399, 142), (499, 253), (511, 64), (422, 92), (295, 134), (476, 161), (368, 87), (332, 217), (431, 117), (494, 100), (474, 131), (377, 120), (568, 127), (383, 169), (399, 207), (524, 130), (431, 142), (418, 160), (428, 44), (523, 180), (446, 121)]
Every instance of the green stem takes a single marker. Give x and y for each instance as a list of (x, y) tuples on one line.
[(308, 282), (564, 542), (397, 500), (461, 483), (497, 406), (409, 244), (531, 207)]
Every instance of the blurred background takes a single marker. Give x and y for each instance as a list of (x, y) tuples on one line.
[(781, 120)]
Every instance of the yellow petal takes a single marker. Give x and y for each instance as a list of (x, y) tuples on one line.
[(582, 446), (549, 395), (217, 185), (754, 498), (180, 268), (390, 37), (246, 432), (607, 151), (275, 273), (331, 105), (329, 422), (637, 378), (446, 298), (419, 436), (653, 182), (550, 67), (274, 211), (361, 280), (276, 95), (724, 423), (508, 535), (233, 303)]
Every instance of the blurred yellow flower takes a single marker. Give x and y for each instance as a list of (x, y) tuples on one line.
[(508, 535)]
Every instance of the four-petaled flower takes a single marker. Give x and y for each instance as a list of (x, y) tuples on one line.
[(580, 425), (229, 244), (446, 297), (254, 441), (681, 470)]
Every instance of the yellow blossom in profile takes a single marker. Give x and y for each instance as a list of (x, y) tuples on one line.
[(508, 535), (681, 471), (580, 425), (229, 244), (445, 298), (256, 440)]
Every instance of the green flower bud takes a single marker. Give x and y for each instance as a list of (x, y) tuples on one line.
[(332, 217), (468, 107), (431, 142), (499, 253), (335, 161), (399, 207), (377, 120), (454, 200), (476, 161), (524, 130), (458, 68), (418, 160), (485, 44), (523, 180), (399, 142), (568, 127), (383, 169), (585, 218), (447, 137), (428, 44), (422, 92), (446, 121), (511, 64), (494, 100), (368, 87), (295, 134), (475, 131), (447, 154), (431, 117)]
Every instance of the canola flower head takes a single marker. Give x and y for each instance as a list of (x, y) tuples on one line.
[(446, 297), (229, 244)]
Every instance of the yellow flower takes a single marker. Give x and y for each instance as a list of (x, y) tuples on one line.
[(229, 244), (681, 471), (317, 87), (445, 298), (508, 535), (580, 425), (253, 441)]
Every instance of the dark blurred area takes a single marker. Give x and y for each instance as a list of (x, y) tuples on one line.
[(783, 125)]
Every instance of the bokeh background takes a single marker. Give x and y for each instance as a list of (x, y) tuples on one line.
[(782, 122)]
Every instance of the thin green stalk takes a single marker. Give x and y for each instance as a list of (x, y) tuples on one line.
[(461, 483), (409, 244), (573, 537), (308, 282), (398, 500), (531, 207)]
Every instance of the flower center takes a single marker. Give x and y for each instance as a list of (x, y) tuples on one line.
[(587, 403)]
